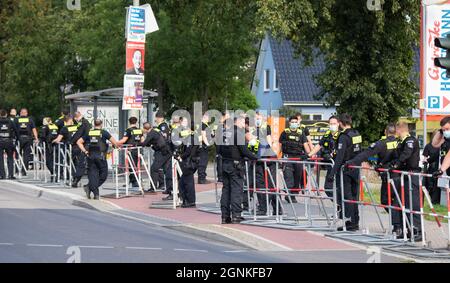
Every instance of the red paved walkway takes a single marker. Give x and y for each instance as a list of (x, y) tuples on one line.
[(297, 240)]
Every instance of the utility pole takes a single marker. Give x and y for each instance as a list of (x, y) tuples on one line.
[(134, 112)]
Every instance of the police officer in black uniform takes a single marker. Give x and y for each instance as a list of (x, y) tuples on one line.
[(165, 131), (385, 151), (132, 137), (7, 135), (67, 135), (27, 132), (349, 146), (407, 159), (188, 156), (60, 121), (233, 150), (260, 145), (294, 145), (12, 114), (203, 151), (158, 143), (326, 149), (95, 146), (79, 159), (49, 134)]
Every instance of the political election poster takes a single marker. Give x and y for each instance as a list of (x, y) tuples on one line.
[(133, 92)]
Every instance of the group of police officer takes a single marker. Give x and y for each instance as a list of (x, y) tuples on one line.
[(240, 140), (341, 146)]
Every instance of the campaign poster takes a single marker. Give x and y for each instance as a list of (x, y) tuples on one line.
[(135, 63), (133, 92), (136, 24)]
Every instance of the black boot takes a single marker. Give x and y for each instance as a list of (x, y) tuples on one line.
[(75, 182), (88, 192), (226, 220)]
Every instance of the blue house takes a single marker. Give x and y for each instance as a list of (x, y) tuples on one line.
[(281, 79)]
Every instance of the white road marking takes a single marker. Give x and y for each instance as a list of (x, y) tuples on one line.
[(95, 247), (189, 250), (45, 245), (6, 244), (237, 251), (143, 248)]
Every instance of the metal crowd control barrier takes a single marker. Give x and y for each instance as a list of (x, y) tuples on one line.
[(176, 200), (124, 164), (316, 216), (396, 202), (38, 151)]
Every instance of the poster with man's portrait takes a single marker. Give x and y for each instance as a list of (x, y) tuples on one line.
[(135, 58)]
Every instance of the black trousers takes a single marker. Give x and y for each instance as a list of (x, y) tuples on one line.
[(219, 167), (203, 163), (233, 184), (97, 173), (79, 161), (294, 177), (384, 196), (187, 187), (6, 146), (261, 186), (49, 158), (397, 219), (351, 192), (328, 186), (134, 164), (164, 162), (25, 150), (432, 187)]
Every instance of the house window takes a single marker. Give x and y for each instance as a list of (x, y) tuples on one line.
[(317, 117), (267, 80), (275, 79)]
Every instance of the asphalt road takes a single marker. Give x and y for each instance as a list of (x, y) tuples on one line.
[(41, 230)]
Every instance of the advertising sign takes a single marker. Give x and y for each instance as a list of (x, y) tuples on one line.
[(435, 84)]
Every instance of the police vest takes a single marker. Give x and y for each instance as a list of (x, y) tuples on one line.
[(356, 142), (254, 148), (52, 132), (293, 144), (136, 136), (72, 131), (329, 143), (5, 129), (96, 142), (391, 147), (229, 149), (24, 126)]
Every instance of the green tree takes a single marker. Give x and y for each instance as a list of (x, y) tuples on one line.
[(203, 52), (368, 54), (38, 57)]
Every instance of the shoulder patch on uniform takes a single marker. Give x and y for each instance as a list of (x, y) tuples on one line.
[(340, 145), (410, 144)]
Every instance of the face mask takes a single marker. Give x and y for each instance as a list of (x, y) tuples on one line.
[(334, 128), (293, 126), (447, 134), (258, 123)]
